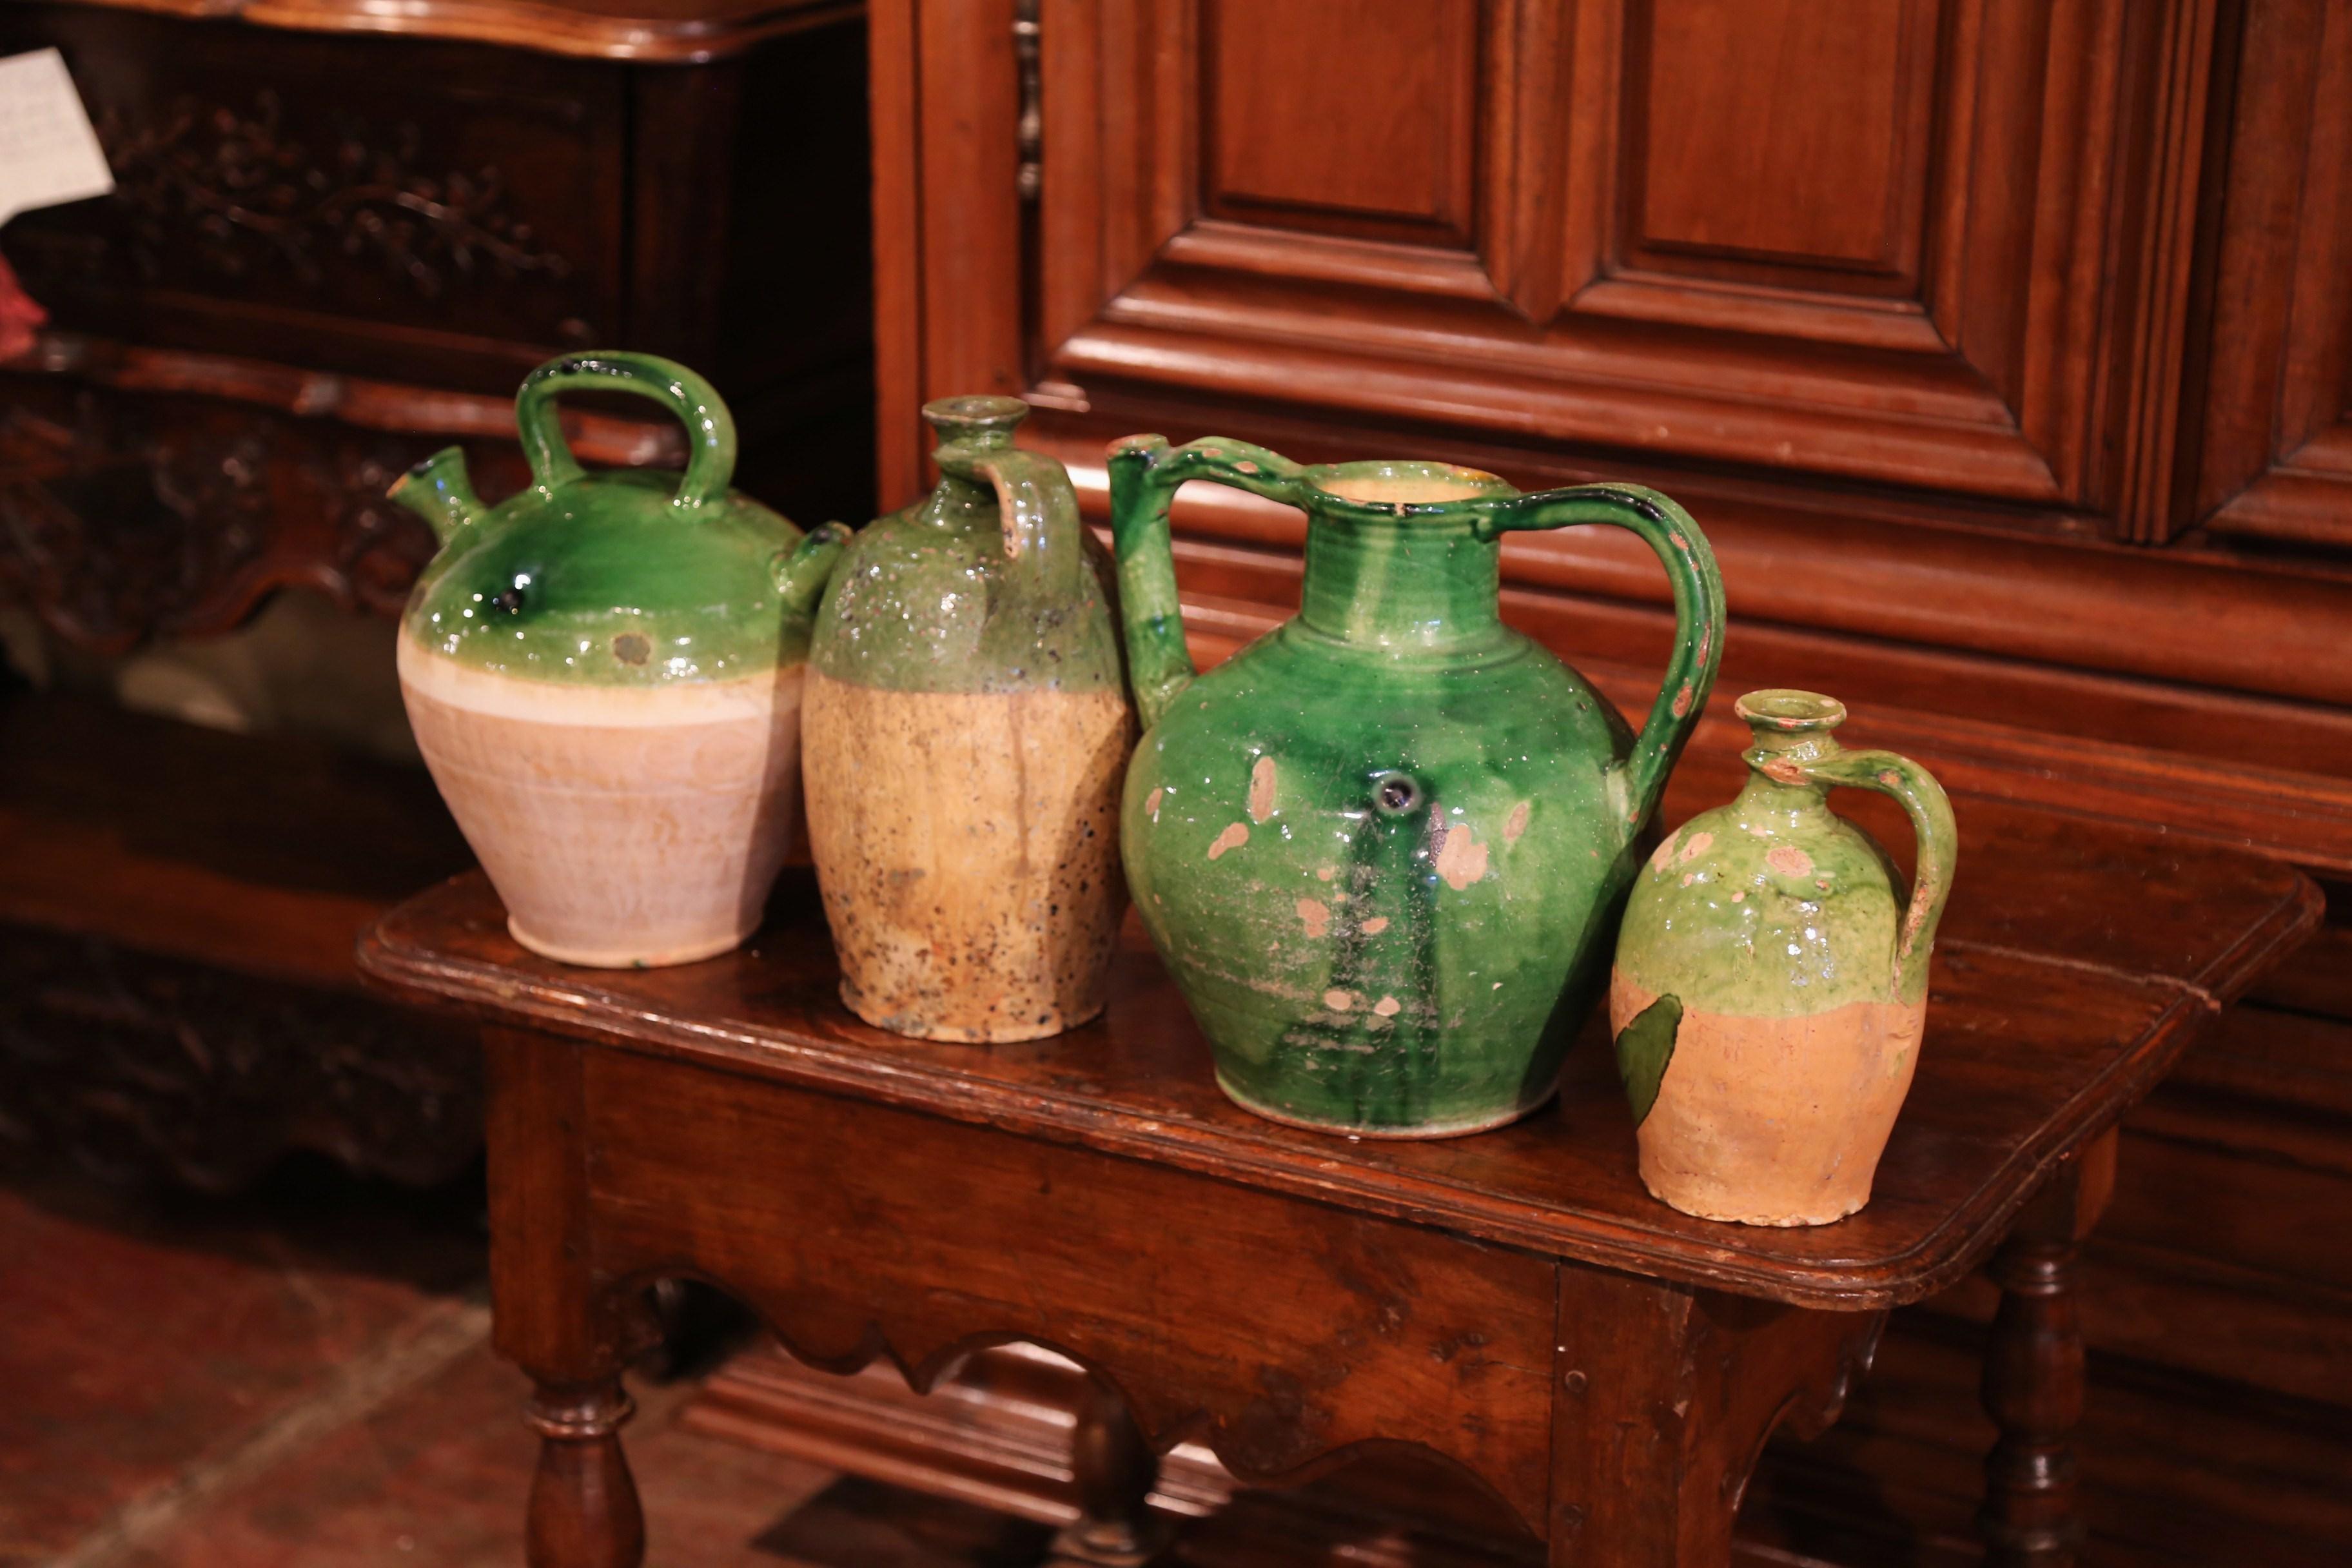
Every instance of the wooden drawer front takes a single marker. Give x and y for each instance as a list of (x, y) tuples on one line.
[(422, 210), (1908, 241)]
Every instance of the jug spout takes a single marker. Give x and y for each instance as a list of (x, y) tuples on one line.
[(803, 572), (438, 490)]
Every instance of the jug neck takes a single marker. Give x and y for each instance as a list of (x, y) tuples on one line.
[(1418, 583), (1787, 726), (974, 424)]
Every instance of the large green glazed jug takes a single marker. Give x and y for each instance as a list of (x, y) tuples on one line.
[(604, 672), (968, 727), (1770, 987), (1381, 847)]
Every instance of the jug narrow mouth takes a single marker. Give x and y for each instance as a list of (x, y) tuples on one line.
[(1790, 712), (1404, 489)]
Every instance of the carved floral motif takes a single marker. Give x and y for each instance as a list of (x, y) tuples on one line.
[(244, 190), (237, 197)]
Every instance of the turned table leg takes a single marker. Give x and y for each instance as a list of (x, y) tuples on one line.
[(1116, 1471), (2033, 1374), (549, 1315), (583, 1503)]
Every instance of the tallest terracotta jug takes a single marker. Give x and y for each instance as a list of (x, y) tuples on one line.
[(1381, 848)]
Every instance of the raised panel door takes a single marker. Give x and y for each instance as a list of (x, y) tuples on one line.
[(1896, 240), (2277, 449)]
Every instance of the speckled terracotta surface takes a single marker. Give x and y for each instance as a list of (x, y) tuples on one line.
[(1770, 987), (969, 925), (967, 731), (604, 673)]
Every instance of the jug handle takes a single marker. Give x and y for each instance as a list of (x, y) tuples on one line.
[(1689, 562), (709, 429), (1145, 472), (1042, 536), (1930, 810)]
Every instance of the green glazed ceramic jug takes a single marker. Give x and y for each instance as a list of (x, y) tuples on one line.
[(604, 673), (1771, 980), (967, 730), (1381, 848)]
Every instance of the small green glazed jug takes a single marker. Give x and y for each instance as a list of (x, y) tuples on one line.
[(968, 726), (1381, 847), (1771, 980), (604, 673)]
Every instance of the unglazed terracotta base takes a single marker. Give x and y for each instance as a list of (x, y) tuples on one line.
[(1774, 1121), (967, 844), (623, 828)]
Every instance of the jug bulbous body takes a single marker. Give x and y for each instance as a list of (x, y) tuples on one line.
[(1769, 989), (604, 673), (967, 730), (1381, 848)]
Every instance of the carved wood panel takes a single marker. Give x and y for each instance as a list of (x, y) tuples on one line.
[(333, 203), (2277, 451), (1901, 240), (1278, 75)]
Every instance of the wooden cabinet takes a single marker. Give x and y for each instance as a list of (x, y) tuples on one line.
[(1932, 312), (2002, 347), (382, 223), (342, 234)]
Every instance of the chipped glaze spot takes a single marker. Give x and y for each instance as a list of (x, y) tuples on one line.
[(1682, 701), (1388, 1007), (1738, 895), (1664, 853), (1700, 843), (1339, 1001), (1517, 823), (1233, 838), (1788, 860), (1462, 860), (1261, 791), (1322, 873), (1151, 804), (1316, 915), (1376, 925)]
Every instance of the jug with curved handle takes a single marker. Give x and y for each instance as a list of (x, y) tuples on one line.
[(1381, 847), (1769, 993), (709, 428)]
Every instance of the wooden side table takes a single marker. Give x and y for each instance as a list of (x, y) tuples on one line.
[(1513, 1302)]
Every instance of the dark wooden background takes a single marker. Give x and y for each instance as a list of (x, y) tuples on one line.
[(2002, 347)]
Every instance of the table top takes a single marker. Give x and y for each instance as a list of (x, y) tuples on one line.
[(2076, 962)]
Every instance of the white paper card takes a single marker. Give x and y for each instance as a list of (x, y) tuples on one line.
[(48, 154)]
